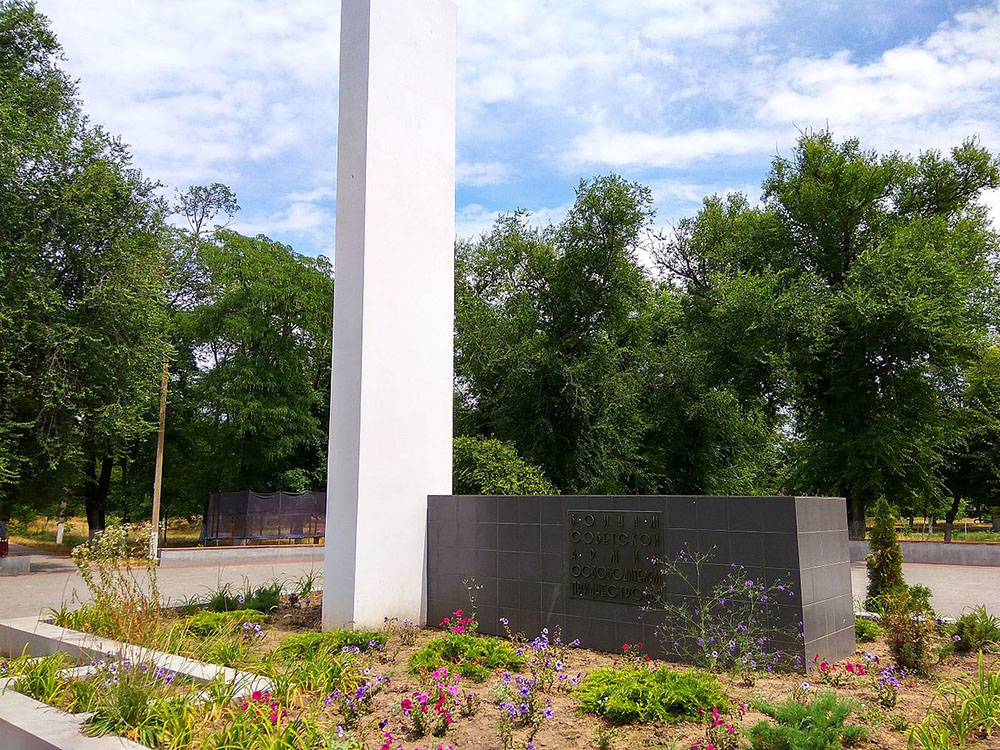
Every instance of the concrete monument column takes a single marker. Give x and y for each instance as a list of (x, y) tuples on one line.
[(391, 402)]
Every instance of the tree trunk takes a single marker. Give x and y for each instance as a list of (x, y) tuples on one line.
[(996, 521), (949, 517), (61, 523), (96, 495), (126, 495), (856, 523)]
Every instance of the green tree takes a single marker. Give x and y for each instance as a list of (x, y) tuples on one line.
[(885, 560), (483, 466), (850, 302), (972, 466), (81, 281), (897, 254), (550, 328), (253, 411)]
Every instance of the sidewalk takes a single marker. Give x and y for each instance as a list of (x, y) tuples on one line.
[(54, 580)]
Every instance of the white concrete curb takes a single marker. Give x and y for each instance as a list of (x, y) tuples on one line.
[(27, 724)]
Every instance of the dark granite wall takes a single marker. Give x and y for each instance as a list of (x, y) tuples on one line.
[(518, 550)]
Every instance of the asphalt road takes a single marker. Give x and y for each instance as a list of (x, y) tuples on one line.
[(954, 588)]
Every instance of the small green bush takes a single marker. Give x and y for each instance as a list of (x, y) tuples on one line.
[(208, 623), (636, 694), (909, 630), (921, 597), (262, 598), (302, 644), (977, 630), (476, 656), (817, 724), (489, 467), (866, 631)]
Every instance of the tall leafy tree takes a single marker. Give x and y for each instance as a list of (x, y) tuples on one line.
[(864, 285), (81, 279), (567, 348), (972, 462), (261, 337), (550, 323)]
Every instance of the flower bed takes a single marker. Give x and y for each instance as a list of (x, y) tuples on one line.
[(403, 687), (333, 691)]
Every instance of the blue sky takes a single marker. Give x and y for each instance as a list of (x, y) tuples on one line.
[(692, 97)]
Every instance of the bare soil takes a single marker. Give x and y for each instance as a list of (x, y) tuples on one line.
[(570, 728)]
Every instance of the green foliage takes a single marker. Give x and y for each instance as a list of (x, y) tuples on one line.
[(909, 630), (301, 644), (866, 631), (82, 288), (264, 598), (885, 561), (965, 710), (41, 678), (477, 657), (489, 467), (816, 724), (208, 623), (977, 630), (637, 694)]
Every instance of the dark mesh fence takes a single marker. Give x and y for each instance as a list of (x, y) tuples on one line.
[(264, 516)]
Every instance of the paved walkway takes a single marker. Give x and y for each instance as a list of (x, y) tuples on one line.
[(954, 588), (54, 580)]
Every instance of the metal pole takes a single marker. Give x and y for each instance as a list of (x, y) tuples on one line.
[(154, 531)]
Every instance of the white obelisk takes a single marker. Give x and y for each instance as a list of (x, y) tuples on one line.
[(391, 402)]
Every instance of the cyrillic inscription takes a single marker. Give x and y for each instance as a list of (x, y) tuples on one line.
[(611, 554)]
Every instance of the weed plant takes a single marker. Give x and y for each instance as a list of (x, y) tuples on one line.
[(733, 624), (206, 623), (264, 598), (302, 644), (477, 657), (865, 630), (41, 678), (125, 597), (909, 630)]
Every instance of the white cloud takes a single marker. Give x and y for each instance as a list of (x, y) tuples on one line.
[(474, 220), (618, 148), (203, 90), (693, 95), (926, 88), (478, 174)]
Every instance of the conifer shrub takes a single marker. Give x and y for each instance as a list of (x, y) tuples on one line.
[(885, 561), (636, 693), (815, 724)]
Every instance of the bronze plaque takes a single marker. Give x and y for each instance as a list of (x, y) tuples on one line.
[(612, 554)]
